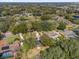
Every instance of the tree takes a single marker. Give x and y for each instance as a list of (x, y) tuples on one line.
[(48, 26), (29, 43), (3, 27), (63, 49), (46, 41), (1, 36), (44, 25), (23, 18), (62, 25), (36, 26), (29, 26), (5, 13), (45, 17), (76, 21), (20, 28)]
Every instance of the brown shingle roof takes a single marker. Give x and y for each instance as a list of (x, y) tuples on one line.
[(2, 43)]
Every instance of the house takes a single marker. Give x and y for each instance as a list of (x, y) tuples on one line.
[(27, 14), (70, 25), (53, 34), (15, 46), (3, 43), (70, 34), (7, 33), (76, 31)]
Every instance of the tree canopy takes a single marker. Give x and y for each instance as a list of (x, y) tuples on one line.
[(63, 49)]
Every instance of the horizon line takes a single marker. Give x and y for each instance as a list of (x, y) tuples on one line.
[(39, 2)]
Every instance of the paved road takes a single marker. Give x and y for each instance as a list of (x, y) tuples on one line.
[(38, 45)]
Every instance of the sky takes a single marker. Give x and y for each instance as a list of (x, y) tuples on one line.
[(39, 0)]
